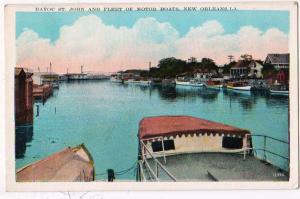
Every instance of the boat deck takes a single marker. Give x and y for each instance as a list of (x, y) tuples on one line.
[(216, 167)]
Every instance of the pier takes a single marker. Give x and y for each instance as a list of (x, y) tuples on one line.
[(42, 92)]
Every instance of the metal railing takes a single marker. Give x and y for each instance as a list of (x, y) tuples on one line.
[(153, 173), (265, 150)]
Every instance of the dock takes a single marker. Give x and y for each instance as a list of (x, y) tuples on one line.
[(42, 92)]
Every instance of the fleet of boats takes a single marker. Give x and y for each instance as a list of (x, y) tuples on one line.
[(216, 84), (174, 148)]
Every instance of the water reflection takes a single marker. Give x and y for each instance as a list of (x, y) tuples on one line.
[(167, 93), (88, 109), (276, 101), (209, 95), (246, 99), (23, 136)]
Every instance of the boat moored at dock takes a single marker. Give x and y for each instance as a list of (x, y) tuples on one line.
[(116, 78), (69, 165), (185, 148), (192, 83), (279, 89), (168, 82), (138, 82), (239, 85), (214, 84)]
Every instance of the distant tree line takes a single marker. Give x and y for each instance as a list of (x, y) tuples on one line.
[(171, 67)]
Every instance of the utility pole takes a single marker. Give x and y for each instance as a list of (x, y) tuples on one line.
[(81, 69), (230, 57)]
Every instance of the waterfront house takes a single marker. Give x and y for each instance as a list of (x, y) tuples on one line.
[(23, 97), (255, 69), (279, 61), (37, 78), (220, 69), (281, 76), (240, 69), (202, 74)]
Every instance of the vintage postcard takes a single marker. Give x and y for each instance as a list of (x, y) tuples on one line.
[(152, 96)]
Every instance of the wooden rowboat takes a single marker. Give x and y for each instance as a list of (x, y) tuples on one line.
[(69, 165)]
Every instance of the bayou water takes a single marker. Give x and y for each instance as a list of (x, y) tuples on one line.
[(105, 117)]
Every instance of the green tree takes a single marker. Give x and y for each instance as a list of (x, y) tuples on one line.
[(227, 67), (209, 64), (170, 67)]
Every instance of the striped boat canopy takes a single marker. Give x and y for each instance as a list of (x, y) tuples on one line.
[(151, 127)]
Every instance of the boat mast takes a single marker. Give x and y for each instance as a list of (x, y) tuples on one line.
[(50, 67)]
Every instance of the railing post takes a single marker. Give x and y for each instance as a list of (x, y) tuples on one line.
[(156, 169), (245, 141), (265, 143), (163, 147)]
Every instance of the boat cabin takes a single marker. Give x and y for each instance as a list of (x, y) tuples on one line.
[(167, 135), (185, 148)]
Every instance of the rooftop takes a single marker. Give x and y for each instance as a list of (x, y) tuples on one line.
[(177, 125), (18, 71), (279, 58), (242, 64), (217, 167)]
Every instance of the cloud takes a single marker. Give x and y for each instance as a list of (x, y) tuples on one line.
[(101, 47)]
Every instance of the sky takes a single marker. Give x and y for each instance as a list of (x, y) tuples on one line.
[(113, 41)]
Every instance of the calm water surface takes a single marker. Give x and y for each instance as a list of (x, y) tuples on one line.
[(105, 117)]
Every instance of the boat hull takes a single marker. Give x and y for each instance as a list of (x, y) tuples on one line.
[(189, 84), (137, 82), (215, 86), (274, 92), (239, 88), (116, 81)]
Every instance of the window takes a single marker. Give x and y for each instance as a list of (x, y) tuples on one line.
[(168, 145), (232, 142)]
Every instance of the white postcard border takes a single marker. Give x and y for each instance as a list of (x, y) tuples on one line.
[(10, 60)]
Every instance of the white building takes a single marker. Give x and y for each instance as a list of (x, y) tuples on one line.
[(255, 69)]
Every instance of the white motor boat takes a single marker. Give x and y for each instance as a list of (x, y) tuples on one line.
[(192, 83)]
